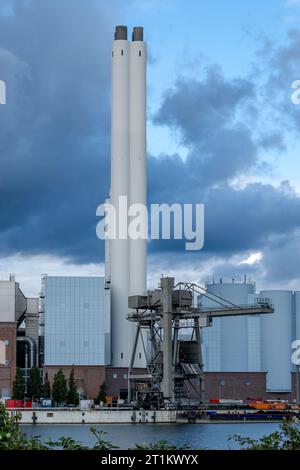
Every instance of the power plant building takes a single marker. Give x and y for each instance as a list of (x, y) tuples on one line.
[(82, 322)]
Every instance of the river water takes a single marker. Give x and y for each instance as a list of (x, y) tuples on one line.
[(196, 436)]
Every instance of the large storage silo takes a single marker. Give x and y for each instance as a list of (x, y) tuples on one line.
[(276, 330), (211, 340), (232, 332)]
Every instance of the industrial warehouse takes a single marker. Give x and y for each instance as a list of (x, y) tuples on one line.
[(179, 345)]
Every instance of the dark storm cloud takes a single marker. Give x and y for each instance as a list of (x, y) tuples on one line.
[(248, 218), (54, 145), (200, 108), (236, 220), (205, 115), (282, 258), (218, 120)]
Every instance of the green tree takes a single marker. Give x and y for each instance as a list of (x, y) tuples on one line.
[(46, 391), (102, 393), (34, 390), (72, 398), (18, 386), (59, 387)]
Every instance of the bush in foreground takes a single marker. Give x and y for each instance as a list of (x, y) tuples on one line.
[(286, 438)]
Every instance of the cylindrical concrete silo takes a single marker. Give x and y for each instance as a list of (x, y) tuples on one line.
[(276, 330), (120, 186), (233, 331), (211, 339)]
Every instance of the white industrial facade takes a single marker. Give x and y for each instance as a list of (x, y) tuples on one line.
[(75, 321), (12, 301), (253, 343)]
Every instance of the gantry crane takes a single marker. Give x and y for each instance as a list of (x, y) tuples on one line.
[(171, 361)]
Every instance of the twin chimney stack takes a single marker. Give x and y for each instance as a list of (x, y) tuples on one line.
[(127, 258)]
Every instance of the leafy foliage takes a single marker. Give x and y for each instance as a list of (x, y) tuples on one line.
[(101, 444), (11, 437), (46, 390), (286, 438), (34, 384), (102, 393), (59, 387), (18, 386), (72, 397), (65, 443), (160, 445)]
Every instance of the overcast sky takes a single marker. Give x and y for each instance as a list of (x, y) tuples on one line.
[(222, 130)]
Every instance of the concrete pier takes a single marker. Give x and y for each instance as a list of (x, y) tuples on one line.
[(104, 416)]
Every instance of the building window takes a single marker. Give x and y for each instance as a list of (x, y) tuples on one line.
[(122, 355), (140, 355), (125, 376), (115, 376), (122, 52), (140, 53), (49, 415)]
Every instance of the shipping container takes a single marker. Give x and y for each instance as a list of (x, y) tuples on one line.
[(10, 403)]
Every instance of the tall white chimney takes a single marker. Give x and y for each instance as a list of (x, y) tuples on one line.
[(120, 186), (128, 178), (138, 171)]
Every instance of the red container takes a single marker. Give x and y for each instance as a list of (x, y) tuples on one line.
[(18, 403), (214, 400), (10, 404), (28, 404)]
